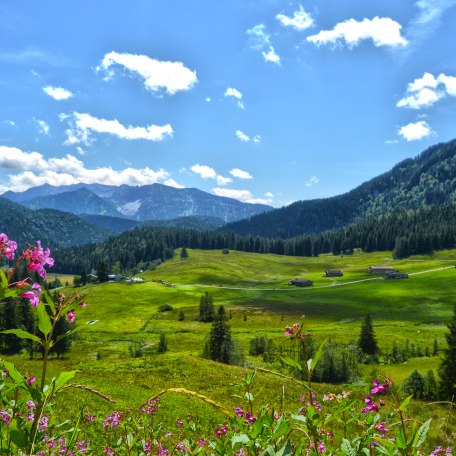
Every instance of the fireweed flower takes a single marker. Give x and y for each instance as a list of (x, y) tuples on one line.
[(7, 247), (370, 406), (70, 316), (378, 387), (33, 295), (37, 258)]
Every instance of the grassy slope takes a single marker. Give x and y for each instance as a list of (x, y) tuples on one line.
[(417, 309)]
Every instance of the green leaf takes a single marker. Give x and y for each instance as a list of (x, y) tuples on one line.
[(69, 333), (317, 355), (420, 436), (242, 439), (64, 378), (19, 438), (285, 450), (14, 374), (3, 279), (400, 440), (347, 448), (291, 362), (404, 404), (49, 301), (44, 321), (22, 334)]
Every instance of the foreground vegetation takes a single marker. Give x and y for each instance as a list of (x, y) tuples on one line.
[(117, 354)]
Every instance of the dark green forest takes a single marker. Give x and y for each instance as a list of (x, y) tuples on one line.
[(406, 232), (427, 180)]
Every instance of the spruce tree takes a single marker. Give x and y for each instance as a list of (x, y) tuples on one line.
[(447, 371), (184, 253), (206, 308), (102, 271), (220, 342), (367, 342)]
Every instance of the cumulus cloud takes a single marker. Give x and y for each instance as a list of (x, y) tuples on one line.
[(33, 170), (234, 93), (58, 93), (268, 195), (206, 172), (242, 195), (260, 41), (415, 131), (83, 125), (271, 56), (173, 183), (312, 181), (242, 136), (239, 173), (257, 139), (300, 21), (383, 31), (157, 75), (42, 126), (425, 91)]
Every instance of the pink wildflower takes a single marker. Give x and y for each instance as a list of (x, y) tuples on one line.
[(83, 304), (321, 447), (378, 388), (7, 247), (239, 412), (179, 423), (70, 316), (33, 295), (37, 258), (43, 423), (370, 405), (31, 381)]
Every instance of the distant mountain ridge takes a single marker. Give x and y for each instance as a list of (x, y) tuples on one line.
[(427, 180), (140, 203)]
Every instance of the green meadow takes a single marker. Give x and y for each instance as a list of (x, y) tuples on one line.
[(255, 292)]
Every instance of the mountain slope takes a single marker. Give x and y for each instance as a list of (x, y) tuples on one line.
[(53, 228), (141, 203), (427, 180)]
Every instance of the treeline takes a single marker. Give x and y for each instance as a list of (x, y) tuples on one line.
[(405, 232), (427, 180)]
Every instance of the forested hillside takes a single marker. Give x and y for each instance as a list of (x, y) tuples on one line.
[(408, 232), (427, 180), (53, 228)]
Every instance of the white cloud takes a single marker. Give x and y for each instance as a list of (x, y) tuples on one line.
[(158, 75), (239, 173), (83, 125), (206, 172), (383, 31), (42, 126), (9, 122), (80, 150), (259, 37), (173, 183), (300, 21), (242, 136), (415, 131), (208, 99), (242, 195), (232, 92), (425, 91), (312, 181), (269, 195), (36, 170), (58, 93), (391, 141), (260, 41), (257, 139), (271, 56)]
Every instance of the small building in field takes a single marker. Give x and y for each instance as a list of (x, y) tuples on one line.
[(334, 273), (380, 269), (396, 275), (300, 282), (115, 277)]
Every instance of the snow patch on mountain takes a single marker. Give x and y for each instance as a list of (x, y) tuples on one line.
[(130, 208)]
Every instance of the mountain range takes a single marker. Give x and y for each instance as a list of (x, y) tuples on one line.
[(140, 203), (425, 181)]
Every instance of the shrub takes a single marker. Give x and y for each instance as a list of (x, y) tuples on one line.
[(165, 308)]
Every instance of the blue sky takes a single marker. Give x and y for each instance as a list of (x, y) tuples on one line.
[(261, 100)]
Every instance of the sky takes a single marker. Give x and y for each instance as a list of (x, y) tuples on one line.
[(265, 101)]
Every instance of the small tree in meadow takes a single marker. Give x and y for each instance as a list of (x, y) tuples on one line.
[(206, 308), (163, 344), (447, 371), (184, 253), (220, 341), (415, 384), (367, 342)]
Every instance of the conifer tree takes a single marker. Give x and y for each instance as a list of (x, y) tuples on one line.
[(367, 342), (221, 344), (206, 308), (184, 253), (447, 371), (102, 271)]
